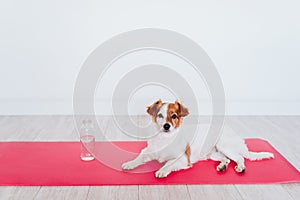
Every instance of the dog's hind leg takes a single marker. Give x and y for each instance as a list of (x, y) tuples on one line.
[(224, 161), (238, 159)]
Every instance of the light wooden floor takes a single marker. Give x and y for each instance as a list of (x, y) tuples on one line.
[(281, 131)]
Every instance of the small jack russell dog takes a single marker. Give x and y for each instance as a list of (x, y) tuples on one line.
[(171, 148)]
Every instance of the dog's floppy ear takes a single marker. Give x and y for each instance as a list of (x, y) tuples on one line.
[(153, 109), (183, 111)]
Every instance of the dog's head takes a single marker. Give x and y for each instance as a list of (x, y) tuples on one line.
[(167, 116)]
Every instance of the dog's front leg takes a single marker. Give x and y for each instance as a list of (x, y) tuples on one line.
[(142, 158), (172, 165)]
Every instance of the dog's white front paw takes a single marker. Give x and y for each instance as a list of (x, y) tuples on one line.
[(222, 167), (240, 168), (129, 165), (162, 173)]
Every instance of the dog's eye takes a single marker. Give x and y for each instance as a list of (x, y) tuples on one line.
[(174, 116), (160, 115)]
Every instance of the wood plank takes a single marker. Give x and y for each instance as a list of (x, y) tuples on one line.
[(21, 192), (6, 192), (123, 128), (65, 192), (262, 192), (214, 192), (113, 192), (293, 189), (164, 192)]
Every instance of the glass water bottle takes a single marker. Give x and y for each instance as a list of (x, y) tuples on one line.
[(87, 139)]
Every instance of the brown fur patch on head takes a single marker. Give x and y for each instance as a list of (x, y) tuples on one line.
[(175, 113), (183, 111), (154, 108)]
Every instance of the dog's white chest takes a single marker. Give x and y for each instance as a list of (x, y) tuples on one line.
[(164, 148)]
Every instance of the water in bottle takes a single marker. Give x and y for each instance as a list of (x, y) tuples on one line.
[(87, 139)]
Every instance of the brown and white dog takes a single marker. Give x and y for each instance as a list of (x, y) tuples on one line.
[(176, 151)]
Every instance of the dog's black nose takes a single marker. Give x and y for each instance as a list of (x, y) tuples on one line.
[(166, 126)]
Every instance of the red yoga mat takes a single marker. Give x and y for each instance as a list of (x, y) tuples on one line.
[(59, 164)]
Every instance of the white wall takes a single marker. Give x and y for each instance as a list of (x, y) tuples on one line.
[(255, 46)]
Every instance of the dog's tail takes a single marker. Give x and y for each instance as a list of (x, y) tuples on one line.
[(258, 155)]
